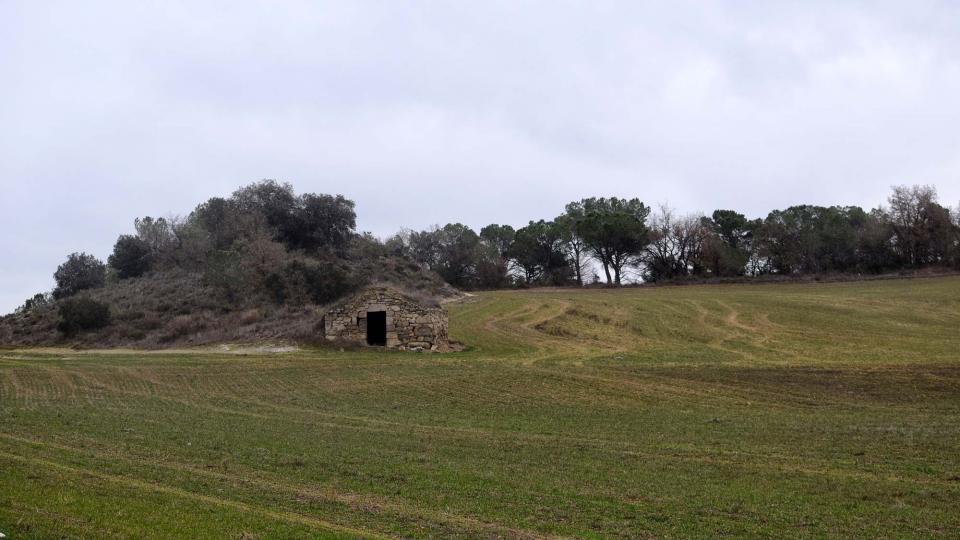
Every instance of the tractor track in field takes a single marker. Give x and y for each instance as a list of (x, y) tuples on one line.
[(356, 501), (771, 462), (290, 517)]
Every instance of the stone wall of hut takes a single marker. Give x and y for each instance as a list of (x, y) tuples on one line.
[(410, 325)]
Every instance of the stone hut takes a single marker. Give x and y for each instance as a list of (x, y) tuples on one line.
[(385, 317)]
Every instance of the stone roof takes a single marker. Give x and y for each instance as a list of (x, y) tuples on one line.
[(385, 290)]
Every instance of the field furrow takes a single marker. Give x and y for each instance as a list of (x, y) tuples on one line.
[(818, 410)]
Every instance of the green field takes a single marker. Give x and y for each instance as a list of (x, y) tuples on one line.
[(818, 410)]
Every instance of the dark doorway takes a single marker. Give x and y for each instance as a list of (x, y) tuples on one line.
[(377, 328)]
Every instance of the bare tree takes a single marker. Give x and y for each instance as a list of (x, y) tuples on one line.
[(676, 244), (921, 226)]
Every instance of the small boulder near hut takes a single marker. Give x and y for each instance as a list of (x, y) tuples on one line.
[(386, 317)]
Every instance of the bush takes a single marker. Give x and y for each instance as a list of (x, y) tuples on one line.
[(132, 257), (79, 272), (326, 282), (78, 314), (37, 301), (275, 287), (303, 281), (224, 272)]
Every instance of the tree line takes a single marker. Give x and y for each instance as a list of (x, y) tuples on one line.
[(626, 238), (267, 242)]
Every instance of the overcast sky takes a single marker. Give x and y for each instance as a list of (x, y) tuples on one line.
[(478, 112)]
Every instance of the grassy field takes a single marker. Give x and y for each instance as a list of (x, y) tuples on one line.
[(817, 410)]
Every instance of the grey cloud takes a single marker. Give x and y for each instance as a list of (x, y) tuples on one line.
[(475, 112)]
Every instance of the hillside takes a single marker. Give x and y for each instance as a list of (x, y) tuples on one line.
[(261, 265), (813, 410), (178, 308)]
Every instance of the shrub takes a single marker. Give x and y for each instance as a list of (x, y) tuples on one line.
[(182, 325), (148, 323), (37, 301), (326, 282), (132, 257), (78, 314), (130, 316), (303, 281), (224, 272), (275, 287), (250, 316), (80, 271)]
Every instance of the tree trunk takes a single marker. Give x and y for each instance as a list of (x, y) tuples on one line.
[(579, 265)]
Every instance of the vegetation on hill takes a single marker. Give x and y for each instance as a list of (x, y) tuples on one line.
[(259, 264), (798, 411)]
